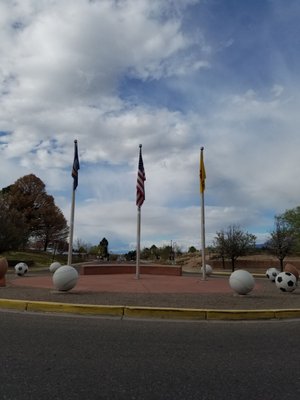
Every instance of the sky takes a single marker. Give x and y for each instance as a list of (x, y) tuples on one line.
[(172, 75)]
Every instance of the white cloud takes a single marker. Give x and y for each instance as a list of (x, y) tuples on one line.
[(62, 74)]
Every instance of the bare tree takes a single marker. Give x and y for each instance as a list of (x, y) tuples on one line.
[(233, 243), (282, 240), (219, 246)]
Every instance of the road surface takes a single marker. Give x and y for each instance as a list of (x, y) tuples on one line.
[(70, 357)]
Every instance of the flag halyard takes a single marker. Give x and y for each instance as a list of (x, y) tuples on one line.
[(140, 185), (76, 167)]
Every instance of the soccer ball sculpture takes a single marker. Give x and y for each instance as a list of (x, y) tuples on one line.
[(21, 269), (65, 278), (241, 281), (271, 274), (286, 282)]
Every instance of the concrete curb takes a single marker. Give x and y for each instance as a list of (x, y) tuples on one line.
[(121, 312), (85, 309), (164, 313)]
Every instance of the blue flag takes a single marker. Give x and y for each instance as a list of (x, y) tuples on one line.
[(76, 167)]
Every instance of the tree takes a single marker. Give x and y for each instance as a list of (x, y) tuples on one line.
[(234, 243), (154, 252), (27, 195), (192, 249), (292, 220), (42, 218), (60, 246), (145, 253), (220, 246), (282, 240), (53, 225), (131, 255), (12, 228), (166, 252), (103, 249), (81, 246), (94, 250)]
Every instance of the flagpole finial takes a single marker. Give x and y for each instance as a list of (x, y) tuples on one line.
[(75, 141), (202, 148), (140, 146)]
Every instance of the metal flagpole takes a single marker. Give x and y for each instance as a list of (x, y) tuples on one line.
[(203, 237), (140, 197), (71, 229), (202, 188), (75, 169), (138, 245)]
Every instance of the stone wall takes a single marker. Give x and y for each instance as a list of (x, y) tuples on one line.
[(130, 269)]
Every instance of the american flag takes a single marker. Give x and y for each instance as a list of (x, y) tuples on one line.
[(76, 167), (141, 177)]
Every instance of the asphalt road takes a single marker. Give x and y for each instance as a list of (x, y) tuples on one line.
[(70, 357)]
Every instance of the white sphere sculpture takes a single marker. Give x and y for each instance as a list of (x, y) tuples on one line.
[(54, 266), (21, 268), (208, 269), (271, 274), (65, 278), (286, 281), (241, 281)]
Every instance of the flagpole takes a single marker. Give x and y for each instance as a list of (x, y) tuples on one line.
[(203, 237), (140, 197), (138, 245), (71, 229), (75, 169), (202, 187)]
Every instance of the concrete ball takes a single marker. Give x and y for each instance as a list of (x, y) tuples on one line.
[(241, 281), (208, 270), (65, 278), (54, 266)]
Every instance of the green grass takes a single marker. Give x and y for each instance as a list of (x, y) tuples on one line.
[(34, 258)]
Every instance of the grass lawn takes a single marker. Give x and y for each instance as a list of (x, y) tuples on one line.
[(34, 259)]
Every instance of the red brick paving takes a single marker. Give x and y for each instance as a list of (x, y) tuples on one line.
[(129, 284)]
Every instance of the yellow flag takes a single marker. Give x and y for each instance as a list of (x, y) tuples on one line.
[(202, 172)]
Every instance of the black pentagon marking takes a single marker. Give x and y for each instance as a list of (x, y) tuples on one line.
[(274, 274), (282, 289), (279, 279), (288, 273), (268, 276), (290, 283), (20, 268)]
